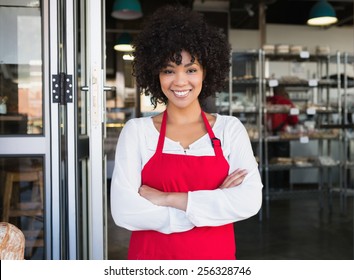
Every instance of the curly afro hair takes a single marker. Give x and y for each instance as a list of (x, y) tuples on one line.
[(167, 32)]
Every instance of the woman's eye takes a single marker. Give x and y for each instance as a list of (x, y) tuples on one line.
[(192, 70), (166, 71)]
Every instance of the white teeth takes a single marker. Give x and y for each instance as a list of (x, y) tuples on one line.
[(181, 93)]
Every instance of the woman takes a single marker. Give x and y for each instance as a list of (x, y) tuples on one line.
[(182, 178)]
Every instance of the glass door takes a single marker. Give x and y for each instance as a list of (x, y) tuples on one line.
[(52, 165), (77, 71), (25, 158)]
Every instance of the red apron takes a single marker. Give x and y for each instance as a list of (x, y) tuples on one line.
[(183, 173)]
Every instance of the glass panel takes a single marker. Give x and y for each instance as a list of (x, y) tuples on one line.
[(83, 138), (82, 96), (21, 101), (22, 192)]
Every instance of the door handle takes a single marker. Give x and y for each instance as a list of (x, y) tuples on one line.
[(105, 88)]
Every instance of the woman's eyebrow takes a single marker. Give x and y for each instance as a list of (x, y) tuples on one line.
[(186, 65), (189, 64)]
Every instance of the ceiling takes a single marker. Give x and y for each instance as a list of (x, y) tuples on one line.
[(293, 12), (244, 14)]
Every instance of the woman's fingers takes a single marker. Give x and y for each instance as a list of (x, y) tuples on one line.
[(234, 179)]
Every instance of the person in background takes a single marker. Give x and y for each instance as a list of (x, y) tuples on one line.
[(183, 177), (278, 123)]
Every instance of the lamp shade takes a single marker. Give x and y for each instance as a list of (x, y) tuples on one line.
[(124, 43), (127, 9), (128, 57), (321, 14)]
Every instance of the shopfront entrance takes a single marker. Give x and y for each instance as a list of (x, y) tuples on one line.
[(52, 164)]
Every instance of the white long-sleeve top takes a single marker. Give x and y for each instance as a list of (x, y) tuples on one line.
[(137, 144)]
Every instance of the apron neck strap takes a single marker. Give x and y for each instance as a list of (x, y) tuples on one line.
[(207, 126), (215, 142), (162, 133)]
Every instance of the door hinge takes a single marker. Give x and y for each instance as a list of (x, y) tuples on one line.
[(62, 88)]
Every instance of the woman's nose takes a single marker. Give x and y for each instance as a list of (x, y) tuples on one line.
[(180, 78)]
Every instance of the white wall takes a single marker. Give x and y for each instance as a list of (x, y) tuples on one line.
[(337, 38)]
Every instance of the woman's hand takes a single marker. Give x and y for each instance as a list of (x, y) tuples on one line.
[(153, 195), (234, 179), (159, 198)]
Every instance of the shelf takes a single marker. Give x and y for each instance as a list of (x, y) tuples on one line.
[(245, 111), (315, 87), (304, 85), (300, 138), (279, 167), (313, 110), (277, 164), (297, 57)]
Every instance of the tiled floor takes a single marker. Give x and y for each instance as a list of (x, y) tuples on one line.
[(297, 229)]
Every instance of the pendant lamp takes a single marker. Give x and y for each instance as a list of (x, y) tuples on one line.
[(124, 43), (128, 57), (322, 14), (127, 9)]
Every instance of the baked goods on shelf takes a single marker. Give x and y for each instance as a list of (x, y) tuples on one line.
[(281, 161), (297, 161), (315, 134)]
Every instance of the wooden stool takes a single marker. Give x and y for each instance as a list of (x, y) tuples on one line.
[(33, 208)]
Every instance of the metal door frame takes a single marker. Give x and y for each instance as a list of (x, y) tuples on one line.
[(40, 145), (97, 180), (65, 221)]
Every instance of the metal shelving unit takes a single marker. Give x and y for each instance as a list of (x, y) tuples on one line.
[(319, 88), (347, 99)]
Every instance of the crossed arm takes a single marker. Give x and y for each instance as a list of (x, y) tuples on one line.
[(180, 200)]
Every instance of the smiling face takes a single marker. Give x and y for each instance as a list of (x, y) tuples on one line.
[(182, 83)]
